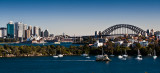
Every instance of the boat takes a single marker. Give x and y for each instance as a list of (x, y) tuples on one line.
[(55, 56), (125, 55), (102, 57), (84, 55), (60, 55), (57, 42), (154, 56), (120, 56), (87, 57), (139, 56)]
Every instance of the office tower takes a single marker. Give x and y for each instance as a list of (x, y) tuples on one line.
[(24, 28), (46, 33), (3, 32), (42, 34), (35, 31), (27, 33), (100, 34), (18, 29), (30, 28), (39, 30), (148, 32), (95, 34), (152, 32), (10, 30)]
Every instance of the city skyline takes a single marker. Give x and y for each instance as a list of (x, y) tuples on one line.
[(81, 17)]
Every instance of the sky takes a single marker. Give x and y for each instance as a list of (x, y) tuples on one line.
[(81, 17)]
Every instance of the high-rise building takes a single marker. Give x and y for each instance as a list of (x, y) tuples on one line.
[(30, 28), (46, 33), (3, 32), (27, 33), (148, 32), (10, 30), (95, 34), (24, 28), (152, 32), (35, 31), (39, 31), (42, 34), (18, 29)]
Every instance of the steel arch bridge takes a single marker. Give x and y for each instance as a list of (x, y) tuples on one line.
[(136, 29)]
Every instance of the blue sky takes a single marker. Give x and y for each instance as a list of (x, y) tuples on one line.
[(81, 17)]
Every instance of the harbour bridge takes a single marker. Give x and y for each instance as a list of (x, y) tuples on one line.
[(121, 29)]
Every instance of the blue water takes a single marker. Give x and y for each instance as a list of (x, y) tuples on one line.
[(41, 44), (78, 64)]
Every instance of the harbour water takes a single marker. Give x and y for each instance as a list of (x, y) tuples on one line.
[(41, 44), (78, 64)]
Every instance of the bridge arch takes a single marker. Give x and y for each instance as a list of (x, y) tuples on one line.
[(136, 29)]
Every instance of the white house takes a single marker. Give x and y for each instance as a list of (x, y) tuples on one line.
[(98, 44)]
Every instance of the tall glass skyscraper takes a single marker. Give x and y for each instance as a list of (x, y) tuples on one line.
[(10, 29), (18, 29)]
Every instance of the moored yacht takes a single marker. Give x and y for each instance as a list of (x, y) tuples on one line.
[(125, 55), (139, 56), (120, 56), (102, 57), (60, 55), (55, 56), (154, 56)]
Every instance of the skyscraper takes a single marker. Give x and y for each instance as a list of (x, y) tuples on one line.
[(18, 29), (35, 31), (30, 28), (27, 33), (10, 30), (46, 33), (42, 34), (24, 28), (39, 31), (3, 32)]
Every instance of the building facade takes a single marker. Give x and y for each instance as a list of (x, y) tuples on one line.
[(24, 28), (18, 30), (10, 30), (3, 32), (46, 33), (27, 33), (35, 30), (30, 28)]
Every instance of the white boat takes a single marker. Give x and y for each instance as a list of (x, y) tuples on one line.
[(154, 56), (139, 56), (55, 56), (120, 56), (102, 57), (60, 55), (87, 57), (125, 55), (84, 55)]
